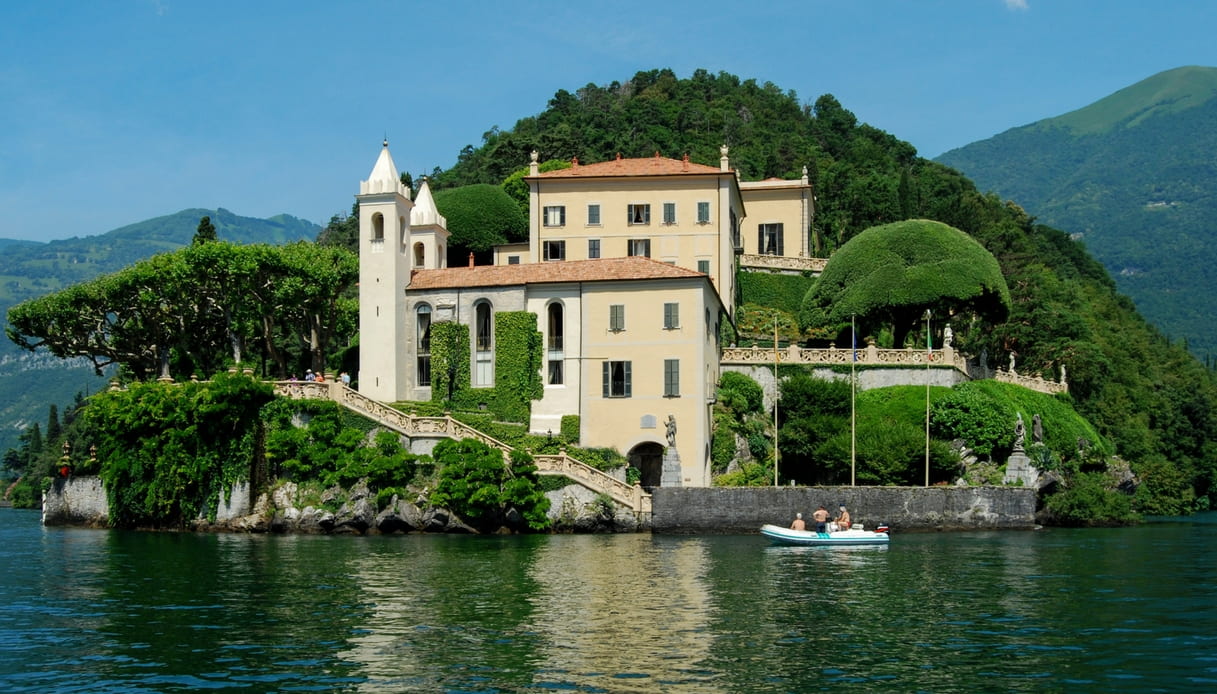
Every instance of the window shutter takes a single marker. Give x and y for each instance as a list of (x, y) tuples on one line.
[(760, 239), (628, 389), (780, 234), (607, 378)]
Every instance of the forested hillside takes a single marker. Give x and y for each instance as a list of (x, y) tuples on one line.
[(1133, 177), (31, 382), (1149, 397)]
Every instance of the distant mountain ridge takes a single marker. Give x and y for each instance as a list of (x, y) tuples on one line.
[(33, 268), (1134, 176)]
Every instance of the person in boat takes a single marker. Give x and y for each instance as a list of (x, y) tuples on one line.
[(821, 519), (798, 523), (843, 520)]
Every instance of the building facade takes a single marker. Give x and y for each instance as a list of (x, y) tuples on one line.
[(630, 342)]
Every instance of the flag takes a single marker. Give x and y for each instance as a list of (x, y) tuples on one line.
[(929, 342)]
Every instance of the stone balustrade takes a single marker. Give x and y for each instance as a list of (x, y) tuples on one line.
[(781, 262), (1037, 383), (410, 425)]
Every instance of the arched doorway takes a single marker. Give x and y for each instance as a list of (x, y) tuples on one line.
[(648, 458)]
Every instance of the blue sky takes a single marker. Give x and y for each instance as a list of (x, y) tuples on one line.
[(114, 112)]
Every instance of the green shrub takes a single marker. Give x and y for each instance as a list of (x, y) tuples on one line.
[(749, 475), (1088, 501), (740, 394), (570, 428), (771, 290), (476, 484)]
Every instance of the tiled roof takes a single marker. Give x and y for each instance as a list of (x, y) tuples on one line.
[(604, 269), (649, 166)]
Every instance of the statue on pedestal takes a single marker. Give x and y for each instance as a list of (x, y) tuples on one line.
[(1020, 433), (1037, 430), (1012, 362), (670, 425), (948, 336)]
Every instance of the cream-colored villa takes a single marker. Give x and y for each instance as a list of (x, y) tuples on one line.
[(630, 267)]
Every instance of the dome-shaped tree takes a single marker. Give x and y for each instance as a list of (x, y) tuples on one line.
[(479, 217), (891, 274)]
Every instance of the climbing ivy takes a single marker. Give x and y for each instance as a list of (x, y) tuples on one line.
[(166, 451), (517, 367), (450, 364)]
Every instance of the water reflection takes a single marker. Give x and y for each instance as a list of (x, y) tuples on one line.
[(1126, 609)]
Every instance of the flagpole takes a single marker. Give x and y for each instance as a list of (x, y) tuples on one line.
[(776, 382), (853, 418), (929, 353)]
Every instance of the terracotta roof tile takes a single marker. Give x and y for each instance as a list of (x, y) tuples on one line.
[(648, 166), (601, 270)]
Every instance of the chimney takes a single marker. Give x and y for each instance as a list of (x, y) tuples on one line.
[(685, 162), (470, 258), (533, 167), (724, 164)]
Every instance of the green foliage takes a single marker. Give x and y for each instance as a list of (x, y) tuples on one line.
[(1089, 500), (167, 451), (478, 486), (890, 275), (749, 475), (479, 217), (517, 188), (755, 324), (205, 233), (1163, 489), (742, 395), (983, 413), (570, 428), (193, 310), (773, 290), (450, 363), (517, 365)]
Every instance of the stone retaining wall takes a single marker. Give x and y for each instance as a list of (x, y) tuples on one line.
[(82, 501), (745, 509), (76, 501)]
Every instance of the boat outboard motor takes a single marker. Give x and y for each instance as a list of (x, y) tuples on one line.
[(882, 528)]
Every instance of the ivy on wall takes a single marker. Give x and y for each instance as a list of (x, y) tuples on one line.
[(450, 364), (517, 367)]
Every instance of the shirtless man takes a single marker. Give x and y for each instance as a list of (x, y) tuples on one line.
[(821, 519), (843, 521), (798, 523)]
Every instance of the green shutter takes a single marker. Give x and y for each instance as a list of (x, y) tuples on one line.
[(628, 389), (607, 377)]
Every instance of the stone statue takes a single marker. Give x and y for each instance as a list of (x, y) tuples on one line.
[(670, 425), (1037, 430), (947, 336), (1020, 433), (1062, 373), (1012, 362)]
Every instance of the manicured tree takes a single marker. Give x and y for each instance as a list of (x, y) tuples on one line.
[(889, 275), (477, 485), (479, 217)]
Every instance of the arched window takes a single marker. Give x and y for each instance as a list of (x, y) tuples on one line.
[(483, 344), (423, 326), (378, 227), (554, 351), (419, 254)]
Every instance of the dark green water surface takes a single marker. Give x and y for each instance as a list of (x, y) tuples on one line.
[(1132, 609)]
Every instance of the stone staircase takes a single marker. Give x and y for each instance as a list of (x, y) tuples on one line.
[(413, 426)]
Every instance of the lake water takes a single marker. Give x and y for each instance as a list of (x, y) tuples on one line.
[(1131, 609)]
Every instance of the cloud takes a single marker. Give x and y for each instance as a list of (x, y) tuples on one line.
[(1016, 5)]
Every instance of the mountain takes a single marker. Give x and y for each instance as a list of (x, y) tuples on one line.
[(32, 382), (1134, 177)]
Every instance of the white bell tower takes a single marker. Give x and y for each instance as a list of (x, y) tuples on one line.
[(384, 274)]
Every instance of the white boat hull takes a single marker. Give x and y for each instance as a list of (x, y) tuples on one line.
[(789, 536)]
